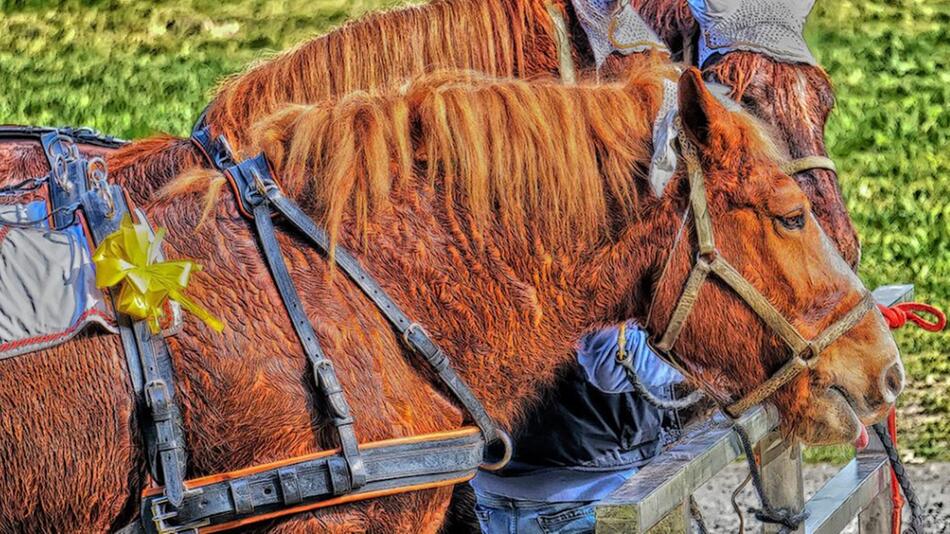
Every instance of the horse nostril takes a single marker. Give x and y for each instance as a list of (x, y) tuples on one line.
[(893, 382)]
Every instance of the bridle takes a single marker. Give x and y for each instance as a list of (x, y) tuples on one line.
[(809, 163), (805, 353)]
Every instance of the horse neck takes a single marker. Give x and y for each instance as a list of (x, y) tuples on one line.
[(509, 312), (511, 38)]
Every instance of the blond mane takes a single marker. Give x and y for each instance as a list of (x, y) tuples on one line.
[(498, 151)]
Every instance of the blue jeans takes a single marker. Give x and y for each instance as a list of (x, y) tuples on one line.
[(501, 515)]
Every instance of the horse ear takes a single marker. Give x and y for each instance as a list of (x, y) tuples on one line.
[(701, 113)]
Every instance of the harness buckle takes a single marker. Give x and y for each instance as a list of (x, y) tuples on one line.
[(810, 354), (162, 513), (97, 175)]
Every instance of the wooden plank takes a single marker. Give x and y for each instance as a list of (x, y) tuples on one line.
[(668, 481), (850, 491), (781, 475)]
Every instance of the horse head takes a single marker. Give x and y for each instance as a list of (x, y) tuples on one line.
[(759, 51), (764, 225)]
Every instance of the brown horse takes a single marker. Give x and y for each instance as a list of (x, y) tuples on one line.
[(509, 217), (795, 98), (516, 38)]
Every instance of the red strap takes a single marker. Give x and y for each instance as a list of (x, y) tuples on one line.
[(896, 498), (898, 315)]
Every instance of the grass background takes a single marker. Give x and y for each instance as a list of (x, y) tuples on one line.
[(133, 68)]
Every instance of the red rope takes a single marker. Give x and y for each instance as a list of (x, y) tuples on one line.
[(896, 498), (898, 315)]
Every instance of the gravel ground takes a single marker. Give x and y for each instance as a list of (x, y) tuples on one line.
[(931, 481)]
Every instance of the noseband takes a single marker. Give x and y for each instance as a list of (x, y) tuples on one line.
[(805, 353)]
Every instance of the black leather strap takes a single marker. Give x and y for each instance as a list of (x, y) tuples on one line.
[(324, 374), (412, 333), (307, 481), (147, 356), (84, 135), (255, 184)]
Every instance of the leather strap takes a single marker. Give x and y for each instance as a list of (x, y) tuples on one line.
[(324, 374), (805, 353), (800, 362), (67, 178), (808, 163), (83, 135), (252, 180), (251, 173), (148, 359), (76, 182), (221, 502)]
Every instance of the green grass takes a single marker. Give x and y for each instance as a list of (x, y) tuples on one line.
[(132, 68)]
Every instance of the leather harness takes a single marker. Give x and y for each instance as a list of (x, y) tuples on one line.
[(230, 500), (805, 353), (353, 471)]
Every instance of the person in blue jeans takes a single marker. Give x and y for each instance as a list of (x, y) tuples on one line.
[(592, 435)]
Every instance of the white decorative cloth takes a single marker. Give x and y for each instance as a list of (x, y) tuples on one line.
[(614, 26), (771, 27), (48, 285), (665, 132)]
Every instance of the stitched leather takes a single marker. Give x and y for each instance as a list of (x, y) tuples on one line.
[(427, 461), (324, 374), (83, 135)]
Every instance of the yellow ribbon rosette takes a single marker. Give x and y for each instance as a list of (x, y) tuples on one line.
[(129, 256)]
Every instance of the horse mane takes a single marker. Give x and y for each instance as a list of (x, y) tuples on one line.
[(383, 47), (501, 150), (672, 23), (737, 70)]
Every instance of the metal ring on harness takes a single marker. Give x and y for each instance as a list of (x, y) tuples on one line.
[(60, 171), (97, 173), (505, 439)]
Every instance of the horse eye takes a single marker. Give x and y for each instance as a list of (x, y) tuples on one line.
[(793, 221)]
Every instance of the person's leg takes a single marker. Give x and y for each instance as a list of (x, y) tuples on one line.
[(558, 518), (495, 514), (501, 515)]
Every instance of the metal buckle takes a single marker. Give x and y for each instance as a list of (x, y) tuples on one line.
[(259, 182), (223, 154), (408, 332), (505, 439), (161, 514)]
